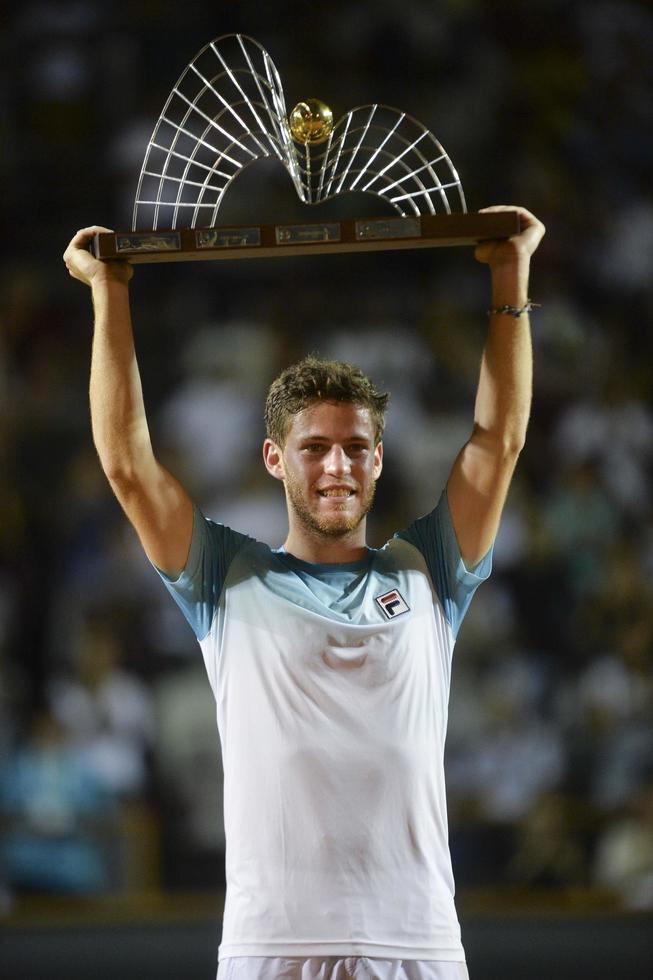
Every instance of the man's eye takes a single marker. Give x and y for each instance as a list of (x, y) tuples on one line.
[(357, 448)]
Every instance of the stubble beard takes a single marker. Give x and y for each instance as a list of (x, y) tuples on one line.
[(337, 525)]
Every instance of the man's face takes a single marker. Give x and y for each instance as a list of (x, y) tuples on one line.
[(330, 465)]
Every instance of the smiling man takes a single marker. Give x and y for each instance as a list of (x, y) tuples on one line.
[(325, 421), (330, 661)]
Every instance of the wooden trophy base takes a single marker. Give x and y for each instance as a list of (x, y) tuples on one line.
[(312, 238)]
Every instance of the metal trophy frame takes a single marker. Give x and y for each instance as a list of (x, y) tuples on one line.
[(227, 111)]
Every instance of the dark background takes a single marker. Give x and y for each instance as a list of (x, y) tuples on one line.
[(107, 729)]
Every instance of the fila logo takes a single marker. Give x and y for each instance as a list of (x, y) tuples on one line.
[(393, 604)]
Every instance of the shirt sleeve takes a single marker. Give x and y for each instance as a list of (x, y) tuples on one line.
[(197, 589), (455, 584)]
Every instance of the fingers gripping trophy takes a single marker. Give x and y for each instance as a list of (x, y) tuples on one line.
[(329, 659)]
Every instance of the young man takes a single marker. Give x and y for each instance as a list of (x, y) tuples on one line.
[(329, 661)]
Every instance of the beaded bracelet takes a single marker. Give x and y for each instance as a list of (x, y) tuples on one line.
[(514, 310)]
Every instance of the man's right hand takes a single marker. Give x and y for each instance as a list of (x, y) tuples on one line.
[(82, 265)]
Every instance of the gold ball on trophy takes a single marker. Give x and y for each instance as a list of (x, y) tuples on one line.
[(311, 122)]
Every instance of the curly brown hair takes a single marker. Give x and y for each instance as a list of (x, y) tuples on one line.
[(314, 379)]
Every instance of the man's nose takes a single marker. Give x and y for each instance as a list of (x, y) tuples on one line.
[(337, 462)]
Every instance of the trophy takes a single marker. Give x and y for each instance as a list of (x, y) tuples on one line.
[(227, 111)]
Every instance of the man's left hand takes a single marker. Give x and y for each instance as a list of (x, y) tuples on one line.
[(516, 250)]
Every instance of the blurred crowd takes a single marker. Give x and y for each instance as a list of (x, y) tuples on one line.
[(110, 772)]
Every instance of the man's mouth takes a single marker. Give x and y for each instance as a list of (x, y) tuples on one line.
[(341, 492)]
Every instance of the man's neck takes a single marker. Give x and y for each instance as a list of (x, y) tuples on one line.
[(323, 550)]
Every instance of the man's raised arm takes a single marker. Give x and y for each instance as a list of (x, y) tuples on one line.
[(154, 501), (479, 481)]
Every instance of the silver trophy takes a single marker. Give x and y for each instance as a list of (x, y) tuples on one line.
[(227, 111)]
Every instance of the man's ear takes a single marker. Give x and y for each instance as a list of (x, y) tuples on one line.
[(273, 459), (378, 460)]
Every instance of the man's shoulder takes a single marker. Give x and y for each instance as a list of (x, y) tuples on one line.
[(400, 552)]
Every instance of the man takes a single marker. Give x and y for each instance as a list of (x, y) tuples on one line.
[(329, 661)]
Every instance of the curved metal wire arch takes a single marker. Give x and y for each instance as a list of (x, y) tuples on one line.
[(367, 144)]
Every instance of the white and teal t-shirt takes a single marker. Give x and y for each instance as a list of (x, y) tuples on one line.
[(331, 684)]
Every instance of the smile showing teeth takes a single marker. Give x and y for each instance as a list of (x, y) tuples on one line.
[(335, 493)]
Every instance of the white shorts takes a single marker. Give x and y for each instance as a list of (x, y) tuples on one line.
[(335, 968)]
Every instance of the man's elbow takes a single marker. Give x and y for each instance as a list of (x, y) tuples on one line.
[(505, 445), (512, 447), (125, 463), (124, 475)]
